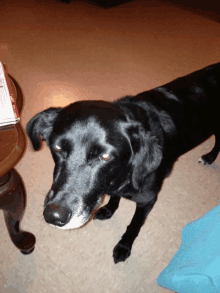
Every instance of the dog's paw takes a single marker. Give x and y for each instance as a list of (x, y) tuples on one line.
[(206, 159), (121, 252), (103, 214)]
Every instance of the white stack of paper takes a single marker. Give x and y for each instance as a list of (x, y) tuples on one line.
[(9, 115)]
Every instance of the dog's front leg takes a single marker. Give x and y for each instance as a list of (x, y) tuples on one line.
[(108, 210), (123, 249)]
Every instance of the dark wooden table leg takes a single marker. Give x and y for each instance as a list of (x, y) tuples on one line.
[(13, 202)]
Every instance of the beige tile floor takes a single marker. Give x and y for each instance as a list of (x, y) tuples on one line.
[(62, 53)]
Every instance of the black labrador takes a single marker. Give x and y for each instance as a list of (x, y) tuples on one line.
[(125, 149)]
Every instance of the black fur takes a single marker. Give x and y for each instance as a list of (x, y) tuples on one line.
[(143, 135)]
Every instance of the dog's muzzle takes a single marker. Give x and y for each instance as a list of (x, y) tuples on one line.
[(56, 215)]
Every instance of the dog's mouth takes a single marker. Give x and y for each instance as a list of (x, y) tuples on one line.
[(63, 217), (77, 221)]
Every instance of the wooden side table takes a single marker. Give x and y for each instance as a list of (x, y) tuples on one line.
[(12, 191)]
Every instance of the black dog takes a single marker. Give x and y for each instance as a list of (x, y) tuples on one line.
[(124, 149)]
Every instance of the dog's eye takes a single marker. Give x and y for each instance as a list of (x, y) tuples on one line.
[(58, 148), (104, 157)]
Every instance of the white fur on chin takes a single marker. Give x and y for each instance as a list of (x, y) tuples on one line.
[(75, 222)]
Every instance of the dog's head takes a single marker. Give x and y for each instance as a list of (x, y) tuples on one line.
[(96, 149)]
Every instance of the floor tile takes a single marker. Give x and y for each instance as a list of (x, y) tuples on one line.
[(32, 273)]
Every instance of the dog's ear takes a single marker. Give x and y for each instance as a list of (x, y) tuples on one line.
[(147, 155), (41, 125)]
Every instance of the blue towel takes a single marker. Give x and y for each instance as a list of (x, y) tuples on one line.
[(196, 266)]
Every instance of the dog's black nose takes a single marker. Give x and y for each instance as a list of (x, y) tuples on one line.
[(56, 215)]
